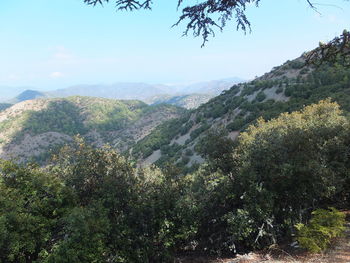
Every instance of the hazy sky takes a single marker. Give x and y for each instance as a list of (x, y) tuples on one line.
[(50, 44)]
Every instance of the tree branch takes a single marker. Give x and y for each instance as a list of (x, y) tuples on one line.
[(203, 18), (337, 50)]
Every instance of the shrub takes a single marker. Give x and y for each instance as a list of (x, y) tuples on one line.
[(322, 228), (279, 90), (260, 96)]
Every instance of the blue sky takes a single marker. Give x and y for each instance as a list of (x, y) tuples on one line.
[(50, 44)]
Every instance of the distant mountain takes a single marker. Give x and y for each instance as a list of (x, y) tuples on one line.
[(28, 95), (186, 95), (213, 87), (152, 94), (7, 93), (121, 91), (32, 127), (142, 91), (191, 96)]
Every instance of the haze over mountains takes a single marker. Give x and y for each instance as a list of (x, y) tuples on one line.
[(149, 93), (7, 92), (163, 133)]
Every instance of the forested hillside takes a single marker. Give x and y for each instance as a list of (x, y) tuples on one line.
[(111, 151), (276, 166), (33, 128), (286, 88), (92, 205)]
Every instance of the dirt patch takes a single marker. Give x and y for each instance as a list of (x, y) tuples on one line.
[(152, 158), (19, 108), (33, 145), (271, 94)]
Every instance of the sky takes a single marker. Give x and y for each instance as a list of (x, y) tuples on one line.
[(50, 44)]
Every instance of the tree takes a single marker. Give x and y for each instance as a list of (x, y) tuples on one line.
[(121, 214), (32, 204), (203, 17), (337, 50), (296, 162)]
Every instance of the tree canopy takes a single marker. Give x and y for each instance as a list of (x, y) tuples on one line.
[(92, 205), (203, 17)]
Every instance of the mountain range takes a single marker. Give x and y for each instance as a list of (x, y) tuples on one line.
[(164, 133), (185, 95)]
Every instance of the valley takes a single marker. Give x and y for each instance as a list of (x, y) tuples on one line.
[(207, 131), (259, 168)]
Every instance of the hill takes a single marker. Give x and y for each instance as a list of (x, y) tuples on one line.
[(189, 96), (285, 88), (144, 91), (28, 95), (121, 91), (33, 127), (4, 106), (7, 93)]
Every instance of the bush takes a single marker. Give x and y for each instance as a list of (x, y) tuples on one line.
[(279, 90), (260, 96), (322, 228)]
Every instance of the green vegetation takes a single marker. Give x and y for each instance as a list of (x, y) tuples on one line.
[(99, 120), (322, 228), (243, 104), (59, 116), (107, 115), (92, 205), (78, 115), (160, 137), (268, 182)]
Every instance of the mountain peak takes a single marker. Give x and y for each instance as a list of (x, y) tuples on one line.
[(29, 95)]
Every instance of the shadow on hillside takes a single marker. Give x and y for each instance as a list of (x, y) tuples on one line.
[(47, 129)]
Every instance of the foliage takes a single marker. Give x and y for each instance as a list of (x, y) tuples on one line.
[(233, 109), (32, 204), (92, 205), (297, 158), (322, 228), (105, 115), (202, 17), (160, 137), (217, 149), (98, 120), (59, 116), (336, 50), (256, 192), (194, 134), (260, 96)]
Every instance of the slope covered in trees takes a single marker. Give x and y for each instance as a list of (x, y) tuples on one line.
[(286, 88), (31, 128), (92, 205)]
